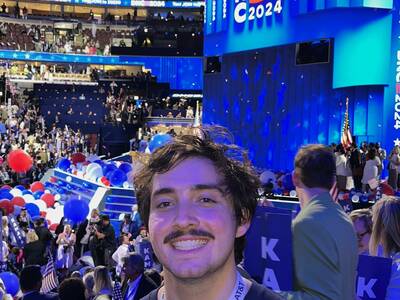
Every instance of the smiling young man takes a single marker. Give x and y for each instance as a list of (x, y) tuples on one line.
[(198, 204)]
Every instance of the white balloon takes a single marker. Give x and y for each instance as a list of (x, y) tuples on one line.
[(293, 193), (41, 204), (56, 204), (125, 185), (47, 192), (57, 197), (121, 217), (68, 178), (355, 199), (28, 198), (16, 192)]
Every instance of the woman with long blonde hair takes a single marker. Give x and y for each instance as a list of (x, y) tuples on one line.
[(386, 232), (102, 283)]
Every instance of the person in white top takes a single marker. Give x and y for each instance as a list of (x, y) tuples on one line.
[(121, 252), (342, 168), (66, 241), (394, 164), (371, 167)]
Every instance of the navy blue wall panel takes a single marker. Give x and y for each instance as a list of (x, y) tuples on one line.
[(273, 106)]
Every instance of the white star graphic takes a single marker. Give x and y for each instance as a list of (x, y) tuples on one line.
[(397, 142)]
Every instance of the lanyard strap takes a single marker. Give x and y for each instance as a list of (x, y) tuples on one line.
[(240, 290)]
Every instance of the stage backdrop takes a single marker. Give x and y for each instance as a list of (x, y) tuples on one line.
[(273, 106)]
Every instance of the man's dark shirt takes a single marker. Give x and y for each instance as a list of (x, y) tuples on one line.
[(256, 292)]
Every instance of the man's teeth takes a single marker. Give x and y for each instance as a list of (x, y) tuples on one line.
[(189, 244)]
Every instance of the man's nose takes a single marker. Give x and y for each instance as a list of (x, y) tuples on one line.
[(186, 215)]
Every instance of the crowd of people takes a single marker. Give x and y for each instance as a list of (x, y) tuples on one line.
[(96, 39), (360, 167), (196, 228)]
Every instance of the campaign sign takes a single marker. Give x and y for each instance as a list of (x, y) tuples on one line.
[(268, 253), (373, 277), (16, 231), (146, 251)]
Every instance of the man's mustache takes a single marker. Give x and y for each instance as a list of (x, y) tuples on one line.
[(194, 232)]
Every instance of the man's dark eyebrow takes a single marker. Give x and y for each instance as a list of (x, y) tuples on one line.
[(197, 187), (162, 191), (217, 187)]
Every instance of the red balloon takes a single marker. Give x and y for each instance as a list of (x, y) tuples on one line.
[(53, 227), (8, 207), (6, 187), (19, 161), (53, 179), (386, 189), (78, 157), (18, 201), (43, 214), (37, 186), (48, 198)]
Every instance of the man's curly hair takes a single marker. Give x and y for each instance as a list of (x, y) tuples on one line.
[(213, 143)]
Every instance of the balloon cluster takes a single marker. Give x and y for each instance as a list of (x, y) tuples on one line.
[(278, 183), (113, 174), (40, 201)]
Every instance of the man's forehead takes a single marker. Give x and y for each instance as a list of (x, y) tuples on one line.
[(188, 173)]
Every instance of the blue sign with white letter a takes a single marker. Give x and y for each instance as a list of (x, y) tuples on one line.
[(373, 277), (268, 253)]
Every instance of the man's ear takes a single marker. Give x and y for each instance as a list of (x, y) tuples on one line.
[(296, 180), (244, 226)]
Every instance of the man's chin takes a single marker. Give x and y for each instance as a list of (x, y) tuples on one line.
[(189, 273)]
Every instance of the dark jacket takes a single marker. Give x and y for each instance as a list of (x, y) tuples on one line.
[(34, 253), (40, 296), (256, 292), (44, 235), (146, 285)]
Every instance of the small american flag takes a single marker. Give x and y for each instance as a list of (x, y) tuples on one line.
[(334, 192), (346, 139), (50, 280), (117, 291)]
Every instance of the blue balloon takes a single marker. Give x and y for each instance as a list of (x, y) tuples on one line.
[(11, 282), (5, 194), (76, 210), (38, 194), (158, 141), (364, 198), (117, 177), (63, 164), (24, 192), (32, 209), (17, 210), (108, 168), (100, 162), (20, 187), (125, 167)]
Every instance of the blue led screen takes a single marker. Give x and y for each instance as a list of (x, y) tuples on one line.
[(183, 73), (273, 106), (361, 34)]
